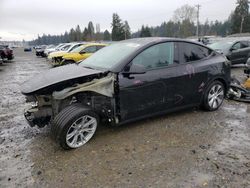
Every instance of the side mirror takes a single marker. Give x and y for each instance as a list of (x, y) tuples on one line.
[(82, 52), (135, 69)]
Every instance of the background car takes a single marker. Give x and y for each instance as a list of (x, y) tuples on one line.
[(6, 52), (237, 51), (40, 50), (124, 82), (56, 57), (81, 53), (43, 54), (47, 51), (27, 49)]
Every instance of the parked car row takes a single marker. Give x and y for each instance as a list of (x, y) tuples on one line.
[(68, 53), (6, 53), (74, 54)]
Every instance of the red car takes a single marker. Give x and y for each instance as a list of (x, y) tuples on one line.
[(6, 52)]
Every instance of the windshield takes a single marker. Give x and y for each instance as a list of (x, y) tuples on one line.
[(221, 45), (110, 56), (65, 48), (59, 46)]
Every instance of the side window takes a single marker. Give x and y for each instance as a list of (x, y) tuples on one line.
[(99, 47), (74, 47), (191, 52), (160, 55), (90, 49), (66, 47), (236, 46), (244, 44)]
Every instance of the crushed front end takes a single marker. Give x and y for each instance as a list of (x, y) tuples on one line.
[(40, 113)]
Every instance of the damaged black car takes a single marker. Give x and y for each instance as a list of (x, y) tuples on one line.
[(124, 82)]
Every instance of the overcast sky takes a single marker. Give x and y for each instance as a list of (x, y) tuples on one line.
[(25, 19)]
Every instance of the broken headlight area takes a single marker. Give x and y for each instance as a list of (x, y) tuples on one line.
[(40, 111)]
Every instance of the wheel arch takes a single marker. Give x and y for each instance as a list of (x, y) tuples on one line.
[(220, 79)]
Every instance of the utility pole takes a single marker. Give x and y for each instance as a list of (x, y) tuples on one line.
[(198, 22)]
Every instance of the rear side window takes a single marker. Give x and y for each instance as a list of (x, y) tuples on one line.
[(159, 55), (244, 44), (192, 52), (99, 47)]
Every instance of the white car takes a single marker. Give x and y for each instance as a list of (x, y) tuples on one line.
[(47, 51), (57, 55)]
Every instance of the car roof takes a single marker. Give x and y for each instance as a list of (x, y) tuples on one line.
[(233, 40), (151, 40), (97, 44), (92, 44)]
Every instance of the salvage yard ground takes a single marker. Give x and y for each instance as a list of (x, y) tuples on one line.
[(191, 148)]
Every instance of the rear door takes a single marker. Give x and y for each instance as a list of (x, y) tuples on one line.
[(192, 74), (153, 91)]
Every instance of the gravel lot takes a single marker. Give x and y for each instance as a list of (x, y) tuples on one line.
[(191, 148)]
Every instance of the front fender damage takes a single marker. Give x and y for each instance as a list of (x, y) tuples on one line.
[(43, 112), (103, 86)]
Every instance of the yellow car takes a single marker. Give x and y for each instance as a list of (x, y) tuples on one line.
[(55, 58), (81, 53)]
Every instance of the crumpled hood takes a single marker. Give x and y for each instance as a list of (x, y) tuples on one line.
[(54, 76)]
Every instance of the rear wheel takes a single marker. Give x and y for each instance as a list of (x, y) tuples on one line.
[(74, 126), (214, 96)]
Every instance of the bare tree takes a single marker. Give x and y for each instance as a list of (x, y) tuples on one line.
[(185, 13)]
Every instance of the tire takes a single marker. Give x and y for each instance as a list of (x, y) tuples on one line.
[(69, 129), (214, 96)]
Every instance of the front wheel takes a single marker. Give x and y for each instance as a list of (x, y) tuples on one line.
[(214, 96), (74, 126)]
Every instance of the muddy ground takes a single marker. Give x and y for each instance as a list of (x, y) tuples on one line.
[(191, 148)]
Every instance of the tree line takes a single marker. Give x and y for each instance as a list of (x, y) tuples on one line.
[(182, 25)]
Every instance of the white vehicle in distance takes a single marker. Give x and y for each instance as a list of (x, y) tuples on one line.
[(53, 49), (57, 55)]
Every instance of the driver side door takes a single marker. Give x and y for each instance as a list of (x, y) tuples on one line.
[(152, 91)]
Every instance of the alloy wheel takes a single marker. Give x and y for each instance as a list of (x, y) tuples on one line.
[(215, 96), (81, 131)]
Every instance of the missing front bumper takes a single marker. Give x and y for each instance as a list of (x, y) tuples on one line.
[(38, 116)]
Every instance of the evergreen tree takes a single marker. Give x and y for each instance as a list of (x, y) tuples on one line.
[(85, 34), (145, 32), (78, 33), (117, 28), (106, 36), (72, 35), (127, 31), (91, 32)]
